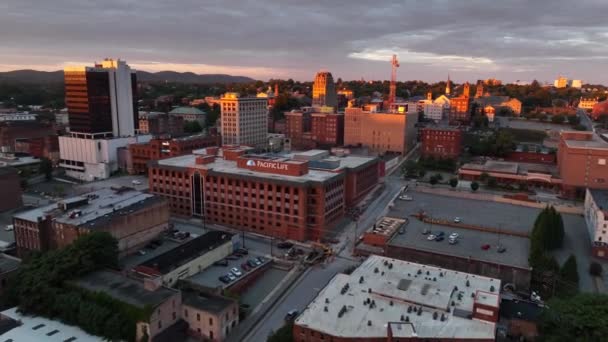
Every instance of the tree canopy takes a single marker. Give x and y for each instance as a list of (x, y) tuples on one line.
[(583, 317), (42, 286)]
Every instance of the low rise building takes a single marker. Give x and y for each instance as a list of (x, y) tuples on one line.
[(42, 147), (132, 217), (162, 304), (188, 259), (189, 114), (160, 148), (587, 102), (582, 160), (513, 173), (19, 116), (380, 132), (296, 196), (441, 142), (314, 129), (10, 183), (434, 111), (499, 103), (8, 267), (386, 299), (596, 217), (17, 327), (91, 157), (599, 109), (161, 124), (210, 317), (532, 153)]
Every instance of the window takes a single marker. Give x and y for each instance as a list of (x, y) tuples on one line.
[(160, 324), (198, 317), (185, 313), (210, 321)]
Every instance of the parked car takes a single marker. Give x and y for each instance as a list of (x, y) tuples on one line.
[(457, 220), (454, 236), (431, 237), (224, 279), (141, 252), (136, 182), (501, 249), (284, 245), (236, 272), (485, 247), (439, 238), (261, 260), (252, 263), (232, 257), (440, 234), (222, 262), (151, 246), (291, 315), (245, 267), (453, 241), (242, 251), (405, 198), (9, 227), (231, 276), (157, 242)]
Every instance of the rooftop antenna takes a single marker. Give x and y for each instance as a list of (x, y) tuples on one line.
[(393, 87)]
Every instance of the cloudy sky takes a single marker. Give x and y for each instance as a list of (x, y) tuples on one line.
[(509, 39)]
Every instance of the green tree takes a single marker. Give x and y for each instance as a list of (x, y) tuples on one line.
[(454, 182), (192, 127), (484, 176), (568, 275), (439, 176), (433, 180), (583, 317), (595, 269), (474, 186), (46, 168), (284, 334), (574, 120)]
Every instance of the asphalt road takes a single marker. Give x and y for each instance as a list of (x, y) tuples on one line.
[(302, 293)]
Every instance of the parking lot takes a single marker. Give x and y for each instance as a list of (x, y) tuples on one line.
[(211, 276), (488, 214)]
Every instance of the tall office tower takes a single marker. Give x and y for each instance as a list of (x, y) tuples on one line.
[(102, 100), (103, 118), (324, 90), (244, 120)]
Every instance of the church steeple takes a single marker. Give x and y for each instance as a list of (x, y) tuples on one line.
[(448, 87)]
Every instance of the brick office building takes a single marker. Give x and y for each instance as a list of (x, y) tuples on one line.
[(380, 132), (161, 123), (161, 148), (132, 217), (582, 160), (295, 196), (11, 189), (314, 130), (14, 131), (441, 142)]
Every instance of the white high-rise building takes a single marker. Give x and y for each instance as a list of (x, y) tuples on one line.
[(244, 120)]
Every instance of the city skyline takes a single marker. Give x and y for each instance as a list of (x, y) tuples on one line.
[(473, 40)]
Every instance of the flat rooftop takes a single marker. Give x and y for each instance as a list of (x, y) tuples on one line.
[(594, 142), (318, 172), (182, 254), (514, 168), (474, 212), (36, 328), (125, 289), (92, 209), (442, 295)]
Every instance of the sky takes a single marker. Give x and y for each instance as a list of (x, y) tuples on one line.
[(468, 39)]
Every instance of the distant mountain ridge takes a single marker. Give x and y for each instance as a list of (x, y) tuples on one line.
[(35, 76)]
